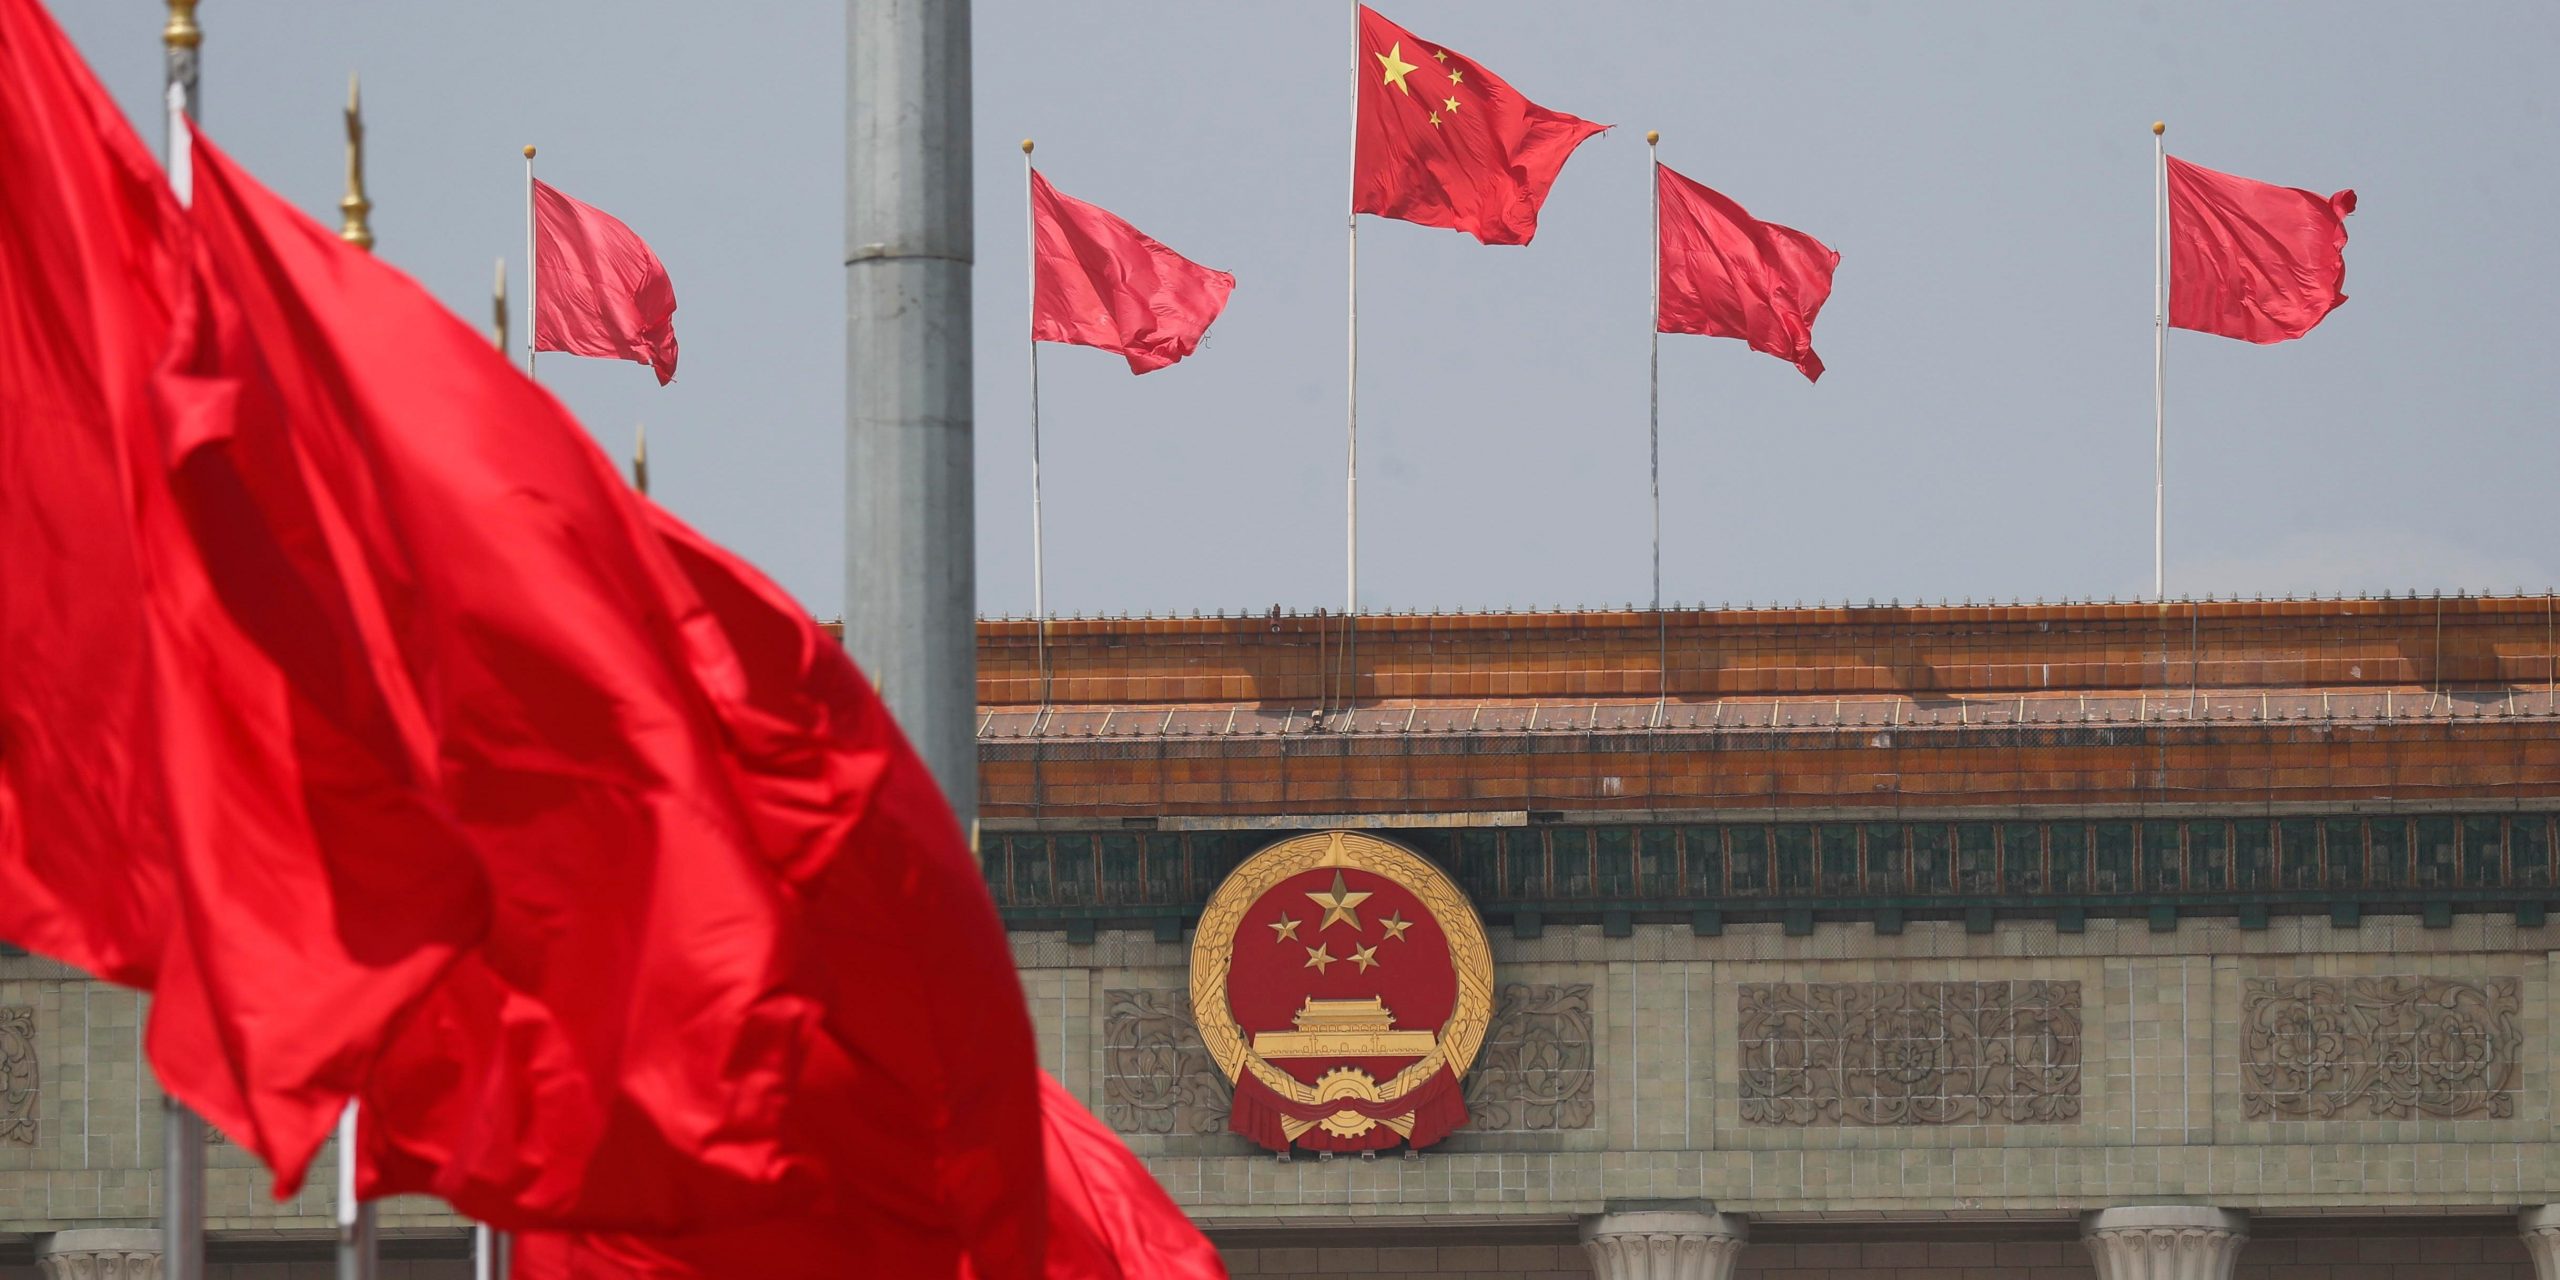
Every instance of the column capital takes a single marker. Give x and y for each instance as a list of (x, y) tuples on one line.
[(109, 1253), (1664, 1244), (2164, 1241), (2540, 1228)]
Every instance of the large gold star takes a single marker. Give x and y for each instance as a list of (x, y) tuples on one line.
[(1284, 929), (1395, 925), (1318, 957), (1393, 61), (1365, 957), (1339, 904)]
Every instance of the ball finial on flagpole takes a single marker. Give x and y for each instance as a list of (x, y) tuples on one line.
[(2159, 127), (528, 151), (1652, 136), (1026, 146)]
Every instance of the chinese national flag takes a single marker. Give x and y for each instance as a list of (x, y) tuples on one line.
[(1729, 275), (1446, 143), (2252, 260), (1103, 283)]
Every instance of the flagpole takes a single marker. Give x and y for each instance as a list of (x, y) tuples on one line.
[(1039, 567), (182, 1134), (532, 291), (498, 308), (1661, 624), (1351, 469), (2159, 354), (358, 1250)]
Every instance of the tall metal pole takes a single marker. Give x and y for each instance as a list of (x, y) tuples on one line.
[(532, 259), (181, 1130), (1351, 471), (2159, 355), (356, 1234), (910, 533), (1661, 624), (1039, 567)]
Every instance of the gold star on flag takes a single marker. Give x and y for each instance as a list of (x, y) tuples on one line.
[(1395, 925), (1339, 904), (1456, 75), (1285, 928), (1441, 54), (1435, 119), (1318, 957), (1451, 106), (1365, 957), (1393, 61)]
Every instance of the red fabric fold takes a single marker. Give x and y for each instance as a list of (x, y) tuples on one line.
[(1727, 274), (598, 290), (1443, 142), (2252, 260), (1099, 282)]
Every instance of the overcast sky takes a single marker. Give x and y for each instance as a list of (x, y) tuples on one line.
[(1984, 170)]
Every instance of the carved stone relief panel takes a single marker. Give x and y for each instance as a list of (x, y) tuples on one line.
[(1535, 1069), (1910, 1053), (18, 1075), (1157, 1076), (2379, 1048)]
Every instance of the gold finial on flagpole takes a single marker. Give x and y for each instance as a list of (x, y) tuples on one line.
[(498, 307), (1026, 146), (355, 230), (528, 151), (1652, 137), (2159, 127), (640, 461), (182, 31)]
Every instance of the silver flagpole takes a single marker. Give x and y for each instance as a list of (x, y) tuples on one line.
[(2159, 354), (355, 1217), (182, 1133), (1351, 473), (1661, 624), (1039, 566), (532, 258)]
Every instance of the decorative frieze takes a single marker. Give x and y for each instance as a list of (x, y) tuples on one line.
[(1910, 1053), (1157, 1076), (18, 1079), (1535, 1069), (2379, 1048)]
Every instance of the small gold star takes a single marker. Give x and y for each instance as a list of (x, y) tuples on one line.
[(1451, 106), (1395, 925), (1365, 957), (1441, 54), (1318, 957), (1435, 119), (1339, 904), (1393, 61), (1457, 76), (1284, 929)]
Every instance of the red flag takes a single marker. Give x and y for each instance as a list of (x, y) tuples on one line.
[(598, 290), (1102, 283), (1446, 143), (715, 866), (85, 272), (1108, 1218), (1727, 274), (2252, 260)]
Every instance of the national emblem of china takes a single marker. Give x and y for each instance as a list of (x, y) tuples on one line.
[(1343, 983)]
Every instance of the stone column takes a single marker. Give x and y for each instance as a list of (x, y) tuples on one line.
[(1664, 1244), (2540, 1228), (2165, 1241), (111, 1253)]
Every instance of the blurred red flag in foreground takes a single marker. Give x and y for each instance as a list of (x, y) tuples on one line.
[(2251, 260), (1102, 283), (598, 291), (1730, 275)]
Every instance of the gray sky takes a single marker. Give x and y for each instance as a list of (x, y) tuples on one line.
[(1984, 170)]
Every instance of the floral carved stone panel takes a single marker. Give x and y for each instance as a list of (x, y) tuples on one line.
[(1535, 1069), (1157, 1076), (18, 1075), (1910, 1053), (2379, 1048)]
